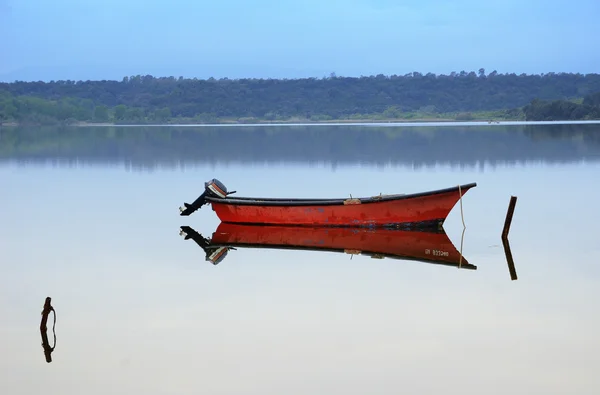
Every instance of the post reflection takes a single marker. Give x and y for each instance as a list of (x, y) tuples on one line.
[(509, 259)]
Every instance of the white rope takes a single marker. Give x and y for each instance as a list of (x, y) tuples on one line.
[(462, 216), (461, 207), (461, 248)]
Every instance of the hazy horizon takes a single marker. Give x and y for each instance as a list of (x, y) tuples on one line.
[(324, 76), (108, 40)]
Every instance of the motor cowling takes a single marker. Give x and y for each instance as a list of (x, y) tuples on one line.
[(216, 255), (215, 188)]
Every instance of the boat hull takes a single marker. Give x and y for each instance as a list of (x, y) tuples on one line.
[(422, 210)]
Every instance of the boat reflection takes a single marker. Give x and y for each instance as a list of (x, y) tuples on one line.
[(432, 246)]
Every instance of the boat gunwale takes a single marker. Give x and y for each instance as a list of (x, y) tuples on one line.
[(258, 201)]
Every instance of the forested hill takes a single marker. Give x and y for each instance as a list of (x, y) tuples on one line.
[(159, 99)]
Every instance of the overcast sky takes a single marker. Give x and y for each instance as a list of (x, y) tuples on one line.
[(108, 39)]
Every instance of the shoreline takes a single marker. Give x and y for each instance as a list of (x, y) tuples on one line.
[(348, 122), (230, 122)]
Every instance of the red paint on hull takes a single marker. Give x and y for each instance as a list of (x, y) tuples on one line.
[(432, 247), (429, 208)]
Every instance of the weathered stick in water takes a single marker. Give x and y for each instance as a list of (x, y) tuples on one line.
[(505, 243), (43, 328), (45, 312), (509, 216)]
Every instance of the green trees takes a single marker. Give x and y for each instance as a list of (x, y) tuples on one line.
[(101, 114), (556, 110), (148, 99), (592, 100)]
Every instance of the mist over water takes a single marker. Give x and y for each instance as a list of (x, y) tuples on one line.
[(90, 217)]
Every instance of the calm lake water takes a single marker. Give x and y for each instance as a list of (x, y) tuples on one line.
[(90, 218)]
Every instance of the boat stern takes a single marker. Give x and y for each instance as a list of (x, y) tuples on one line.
[(213, 188)]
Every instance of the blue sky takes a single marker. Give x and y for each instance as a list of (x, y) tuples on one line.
[(108, 39)]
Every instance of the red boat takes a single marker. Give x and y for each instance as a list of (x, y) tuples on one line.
[(424, 209), (424, 246)]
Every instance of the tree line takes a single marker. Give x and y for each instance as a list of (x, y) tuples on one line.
[(149, 99), (555, 110)]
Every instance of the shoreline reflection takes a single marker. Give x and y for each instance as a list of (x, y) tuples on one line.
[(143, 147)]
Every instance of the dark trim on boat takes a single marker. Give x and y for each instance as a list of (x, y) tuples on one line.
[(250, 201), (425, 226), (431, 226)]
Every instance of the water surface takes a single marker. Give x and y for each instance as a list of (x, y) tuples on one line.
[(90, 217)]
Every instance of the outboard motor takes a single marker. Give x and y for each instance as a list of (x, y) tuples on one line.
[(213, 188), (214, 255)]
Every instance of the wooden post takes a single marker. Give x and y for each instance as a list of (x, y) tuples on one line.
[(509, 216), (505, 243)]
